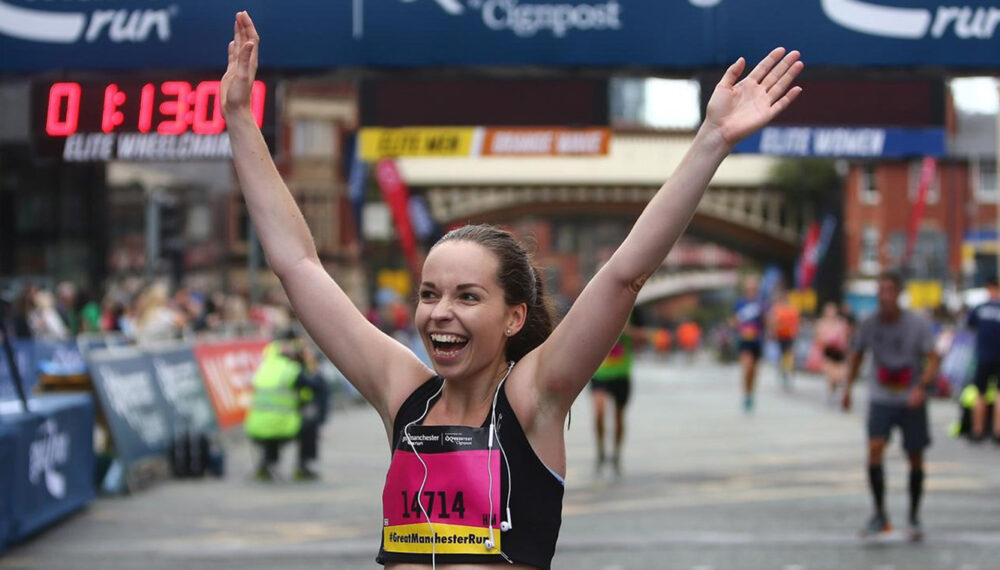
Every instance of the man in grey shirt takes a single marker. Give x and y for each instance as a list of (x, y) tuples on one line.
[(904, 364)]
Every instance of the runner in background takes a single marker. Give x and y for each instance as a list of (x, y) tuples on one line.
[(832, 336), (613, 381), (689, 338), (783, 322), (749, 322), (901, 342)]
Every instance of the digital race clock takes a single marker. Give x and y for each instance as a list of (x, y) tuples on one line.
[(130, 119)]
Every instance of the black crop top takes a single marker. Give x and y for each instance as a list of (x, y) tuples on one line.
[(535, 498)]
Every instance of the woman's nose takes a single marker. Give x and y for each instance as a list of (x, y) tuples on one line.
[(442, 309)]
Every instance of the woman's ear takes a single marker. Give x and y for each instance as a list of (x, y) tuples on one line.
[(516, 316)]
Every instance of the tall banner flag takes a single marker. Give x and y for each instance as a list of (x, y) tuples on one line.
[(806, 269), (926, 176), (396, 195)]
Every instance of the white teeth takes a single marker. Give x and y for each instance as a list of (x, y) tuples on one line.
[(447, 338)]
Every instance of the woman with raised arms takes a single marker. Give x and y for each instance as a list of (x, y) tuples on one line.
[(478, 453)]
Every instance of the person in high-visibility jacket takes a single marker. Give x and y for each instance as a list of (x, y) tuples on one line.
[(281, 389)]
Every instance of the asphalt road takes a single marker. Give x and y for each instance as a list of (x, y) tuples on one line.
[(704, 486)]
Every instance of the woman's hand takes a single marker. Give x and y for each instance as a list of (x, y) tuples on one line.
[(737, 109), (237, 83)]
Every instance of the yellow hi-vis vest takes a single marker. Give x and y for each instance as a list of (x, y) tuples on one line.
[(274, 410)]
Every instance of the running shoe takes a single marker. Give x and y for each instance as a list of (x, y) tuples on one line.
[(878, 525), (748, 404), (305, 474), (914, 531)]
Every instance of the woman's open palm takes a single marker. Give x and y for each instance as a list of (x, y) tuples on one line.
[(237, 83), (738, 108)]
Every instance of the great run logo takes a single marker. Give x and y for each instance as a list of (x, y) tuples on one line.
[(47, 453), (966, 22), (48, 21), (527, 20)]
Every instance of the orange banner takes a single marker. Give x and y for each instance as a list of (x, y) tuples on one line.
[(228, 369), (546, 142)]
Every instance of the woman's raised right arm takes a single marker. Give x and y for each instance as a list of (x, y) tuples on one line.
[(383, 370)]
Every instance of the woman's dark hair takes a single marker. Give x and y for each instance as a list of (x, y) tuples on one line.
[(520, 281)]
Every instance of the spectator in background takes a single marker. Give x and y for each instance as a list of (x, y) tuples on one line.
[(155, 320), (89, 312), (44, 319), (66, 305), (985, 321), (24, 304)]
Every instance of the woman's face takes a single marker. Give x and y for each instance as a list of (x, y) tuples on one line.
[(461, 312)]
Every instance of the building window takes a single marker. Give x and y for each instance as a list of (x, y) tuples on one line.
[(313, 138), (933, 192), (868, 185), (870, 264), (984, 180)]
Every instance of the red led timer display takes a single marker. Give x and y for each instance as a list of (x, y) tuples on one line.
[(166, 108)]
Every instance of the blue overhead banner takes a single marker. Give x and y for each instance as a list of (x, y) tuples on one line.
[(845, 142), (73, 35)]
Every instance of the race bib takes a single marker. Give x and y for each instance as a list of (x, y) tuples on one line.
[(749, 331), (456, 495), (895, 380)]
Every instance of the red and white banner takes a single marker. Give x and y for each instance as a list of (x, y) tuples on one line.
[(926, 177), (228, 369), (396, 195), (806, 270)]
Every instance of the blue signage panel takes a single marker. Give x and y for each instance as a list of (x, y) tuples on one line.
[(132, 402), (845, 142), (8, 441), (144, 34), (52, 465)]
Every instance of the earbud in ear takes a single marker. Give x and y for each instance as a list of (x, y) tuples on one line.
[(504, 526)]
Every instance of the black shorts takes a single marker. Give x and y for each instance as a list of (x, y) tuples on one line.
[(619, 388), (984, 370), (911, 421), (751, 346), (834, 354), (786, 344)]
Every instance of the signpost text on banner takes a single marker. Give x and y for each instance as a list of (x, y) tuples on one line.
[(228, 368)]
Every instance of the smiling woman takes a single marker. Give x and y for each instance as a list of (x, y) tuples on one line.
[(478, 455)]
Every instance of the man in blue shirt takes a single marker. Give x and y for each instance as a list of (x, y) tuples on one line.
[(985, 320)]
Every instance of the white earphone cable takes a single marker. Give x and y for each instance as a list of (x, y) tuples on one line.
[(420, 493)]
